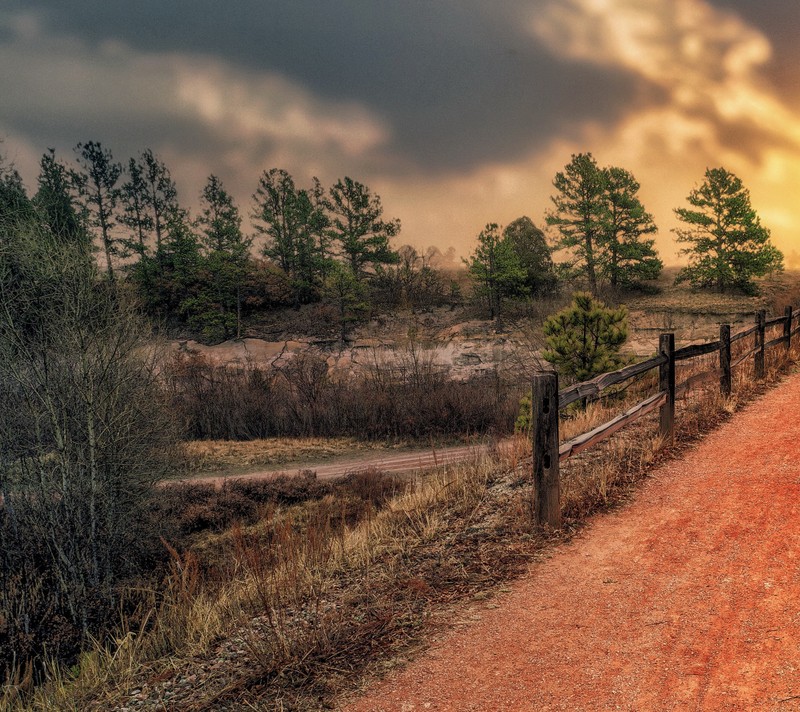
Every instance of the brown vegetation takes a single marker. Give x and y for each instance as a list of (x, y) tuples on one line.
[(415, 399), (323, 591)]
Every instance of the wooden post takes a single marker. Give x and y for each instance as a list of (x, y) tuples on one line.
[(666, 381), (758, 360), (787, 328), (544, 410), (725, 359)]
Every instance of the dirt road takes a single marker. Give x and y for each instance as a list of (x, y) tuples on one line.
[(403, 462), (688, 599)]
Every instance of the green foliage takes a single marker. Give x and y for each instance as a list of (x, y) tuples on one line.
[(533, 253), (348, 295), (626, 258), (294, 222), (135, 214), (578, 213), (219, 307), (96, 183), (55, 203), (16, 209), (524, 421), (602, 222), (358, 227), (583, 340), (727, 245), (496, 268)]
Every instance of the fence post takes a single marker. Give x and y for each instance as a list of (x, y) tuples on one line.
[(761, 317), (725, 359), (787, 327), (544, 411), (666, 381)]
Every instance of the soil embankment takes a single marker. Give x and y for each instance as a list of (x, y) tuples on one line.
[(688, 599)]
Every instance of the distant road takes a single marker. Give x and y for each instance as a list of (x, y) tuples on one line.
[(405, 462)]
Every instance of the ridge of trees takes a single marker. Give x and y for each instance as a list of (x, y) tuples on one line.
[(201, 271)]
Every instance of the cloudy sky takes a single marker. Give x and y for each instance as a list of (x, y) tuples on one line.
[(457, 112)]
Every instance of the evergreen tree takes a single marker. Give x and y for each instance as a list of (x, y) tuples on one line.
[(530, 246), (293, 221), (496, 269), (135, 213), (626, 257), (161, 197), (578, 213), (96, 183), (168, 280), (357, 226), (16, 208), (55, 203), (348, 295), (583, 340), (226, 259), (601, 220), (727, 244)]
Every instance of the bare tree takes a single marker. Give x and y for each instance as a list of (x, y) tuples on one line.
[(83, 434)]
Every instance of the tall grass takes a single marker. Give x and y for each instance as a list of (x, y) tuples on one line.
[(312, 585)]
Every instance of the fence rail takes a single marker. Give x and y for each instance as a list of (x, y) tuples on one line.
[(548, 401)]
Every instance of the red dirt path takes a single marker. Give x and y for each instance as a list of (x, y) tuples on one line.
[(687, 599)]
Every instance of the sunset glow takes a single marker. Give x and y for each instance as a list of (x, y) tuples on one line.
[(457, 117)]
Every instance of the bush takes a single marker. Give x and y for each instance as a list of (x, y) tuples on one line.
[(83, 436), (407, 397)]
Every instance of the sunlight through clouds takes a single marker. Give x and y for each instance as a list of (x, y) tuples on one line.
[(709, 62), (664, 88)]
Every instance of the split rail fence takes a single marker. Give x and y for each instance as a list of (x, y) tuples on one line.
[(548, 401)]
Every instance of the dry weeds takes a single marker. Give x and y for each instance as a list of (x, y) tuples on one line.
[(320, 600), (226, 455)]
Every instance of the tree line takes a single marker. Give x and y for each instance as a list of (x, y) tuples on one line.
[(335, 245), (602, 230), (200, 270)]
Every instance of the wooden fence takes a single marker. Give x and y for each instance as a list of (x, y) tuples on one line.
[(548, 401)]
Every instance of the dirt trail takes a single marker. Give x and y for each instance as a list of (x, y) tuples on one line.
[(402, 462), (688, 599)]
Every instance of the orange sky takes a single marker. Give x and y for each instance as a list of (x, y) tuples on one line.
[(454, 125)]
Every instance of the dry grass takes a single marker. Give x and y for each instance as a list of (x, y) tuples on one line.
[(321, 594), (226, 455)]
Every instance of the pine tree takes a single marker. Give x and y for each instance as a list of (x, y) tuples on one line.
[(601, 221), (162, 197), (496, 269), (135, 214), (293, 221), (578, 213), (226, 258), (16, 208), (55, 203), (727, 244), (358, 227), (530, 245), (583, 340), (348, 295), (96, 183)]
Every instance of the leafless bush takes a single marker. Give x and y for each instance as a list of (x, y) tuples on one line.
[(410, 396), (83, 435)]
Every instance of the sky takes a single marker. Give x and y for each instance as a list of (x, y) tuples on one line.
[(456, 112)]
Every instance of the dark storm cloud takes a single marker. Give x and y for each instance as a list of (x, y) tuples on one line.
[(779, 20), (458, 82)]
